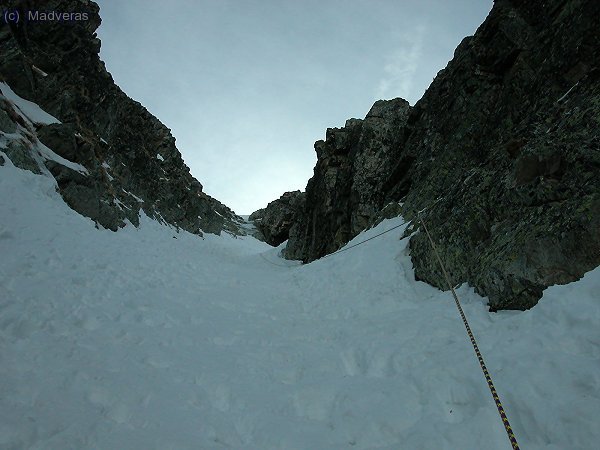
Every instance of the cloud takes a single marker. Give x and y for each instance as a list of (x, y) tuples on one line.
[(401, 66)]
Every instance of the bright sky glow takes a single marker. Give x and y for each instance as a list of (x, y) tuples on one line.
[(247, 86)]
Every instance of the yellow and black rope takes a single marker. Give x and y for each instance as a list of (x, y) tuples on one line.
[(488, 378)]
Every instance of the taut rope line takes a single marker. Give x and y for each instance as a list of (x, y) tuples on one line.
[(488, 378), (380, 234), (366, 240)]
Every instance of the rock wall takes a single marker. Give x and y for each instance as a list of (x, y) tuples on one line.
[(347, 189), (275, 221), (512, 128), (130, 156), (503, 150)]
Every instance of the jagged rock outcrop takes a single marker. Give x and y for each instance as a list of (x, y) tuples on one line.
[(347, 189), (274, 221), (131, 159), (503, 150)]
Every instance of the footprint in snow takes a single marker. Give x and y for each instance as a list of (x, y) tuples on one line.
[(114, 410), (354, 362), (157, 362)]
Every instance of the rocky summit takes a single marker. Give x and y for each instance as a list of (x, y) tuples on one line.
[(130, 158), (501, 157)]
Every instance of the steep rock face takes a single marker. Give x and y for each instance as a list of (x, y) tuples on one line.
[(275, 221), (130, 156), (503, 151), (347, 189)]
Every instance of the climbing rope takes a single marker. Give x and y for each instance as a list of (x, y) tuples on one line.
[(345, 248), (488, 378), (366, 240), (380, 234)]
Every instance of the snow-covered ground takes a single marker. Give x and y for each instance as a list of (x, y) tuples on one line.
[(152, 339), (24, 107)]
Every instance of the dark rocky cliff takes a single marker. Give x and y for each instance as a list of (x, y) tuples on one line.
[(130, 156), (347, 190), (275, 221), (503, 150)]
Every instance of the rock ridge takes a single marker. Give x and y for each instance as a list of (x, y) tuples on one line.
[(132, 162), (506, 144)]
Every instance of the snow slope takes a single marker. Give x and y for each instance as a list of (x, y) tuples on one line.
[(30, 110), (152, 339), (31, 114)]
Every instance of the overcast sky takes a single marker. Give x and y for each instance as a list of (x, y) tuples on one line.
[(248, 86)]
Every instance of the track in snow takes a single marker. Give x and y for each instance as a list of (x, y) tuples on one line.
[(151, 339)]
